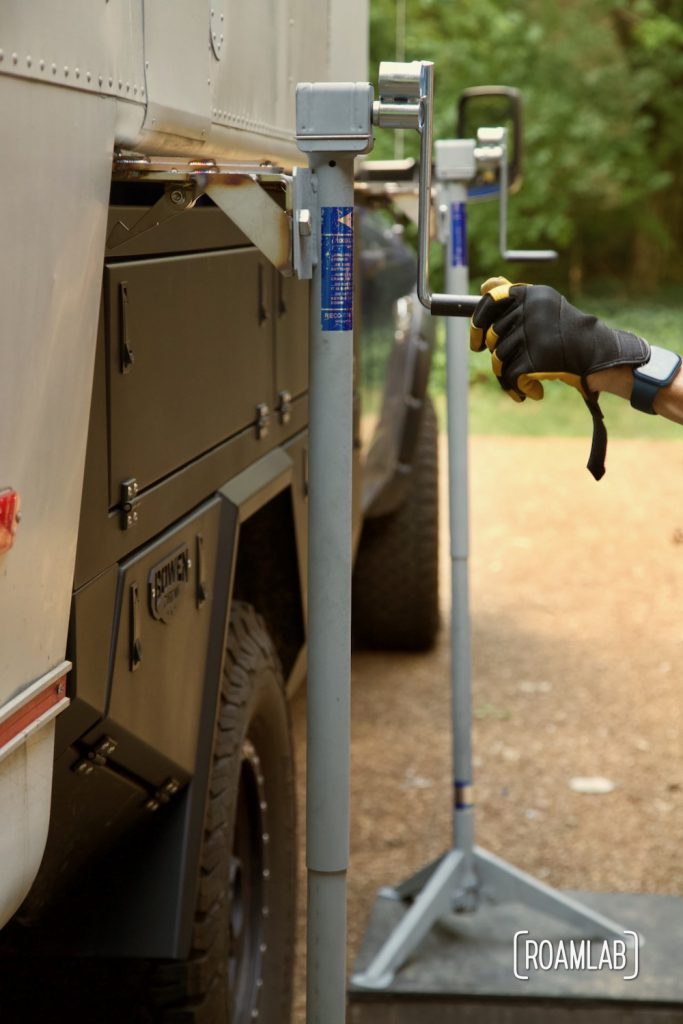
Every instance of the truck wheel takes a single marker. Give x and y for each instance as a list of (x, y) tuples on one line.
[(396, 578), (240, 967)]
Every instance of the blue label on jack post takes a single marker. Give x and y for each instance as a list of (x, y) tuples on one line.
[(458, 235), (336, 268)]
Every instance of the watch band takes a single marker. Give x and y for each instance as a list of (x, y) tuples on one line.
[(644, 393), (660, 369)]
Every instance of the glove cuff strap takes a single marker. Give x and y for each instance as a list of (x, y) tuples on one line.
[(596, 460)]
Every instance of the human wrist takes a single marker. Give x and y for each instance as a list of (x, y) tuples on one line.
[(618, 380)]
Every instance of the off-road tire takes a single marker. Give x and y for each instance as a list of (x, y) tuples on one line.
[(251, 810), (396, 578)]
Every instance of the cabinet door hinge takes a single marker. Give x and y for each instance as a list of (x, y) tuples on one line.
[(284, 406), (129, 504), (262, 421)]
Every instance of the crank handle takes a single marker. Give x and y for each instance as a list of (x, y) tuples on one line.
[(406, 100)]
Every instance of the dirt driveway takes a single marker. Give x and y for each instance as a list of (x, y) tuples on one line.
[(577, 609)]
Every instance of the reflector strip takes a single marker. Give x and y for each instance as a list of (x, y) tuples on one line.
[(33, 708)]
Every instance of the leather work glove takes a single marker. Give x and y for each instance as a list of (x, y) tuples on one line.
[(534, 334)]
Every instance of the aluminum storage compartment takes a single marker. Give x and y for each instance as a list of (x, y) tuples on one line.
[(157, 688), (199, 333)]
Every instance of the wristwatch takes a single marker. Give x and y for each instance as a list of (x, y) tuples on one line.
[(656, 373)]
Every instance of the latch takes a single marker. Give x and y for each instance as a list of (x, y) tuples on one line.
[(262, 308), (202, 588), (127, 355), (129, 503), (135, 628)]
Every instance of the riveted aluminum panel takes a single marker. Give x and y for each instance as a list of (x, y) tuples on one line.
[(203, 358), (178, 68), (86, 46), (50, 279), (231, 91), (270, 46), (231, 98)]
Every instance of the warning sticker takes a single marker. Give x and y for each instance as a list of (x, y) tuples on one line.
[(458, 235), (336, 250)]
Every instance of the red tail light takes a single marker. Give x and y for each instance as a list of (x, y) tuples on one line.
[(10, 514)]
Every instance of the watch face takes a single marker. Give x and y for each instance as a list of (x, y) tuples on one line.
[(661, 366)]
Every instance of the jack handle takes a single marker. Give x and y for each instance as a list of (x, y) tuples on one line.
[(406, 93), (406, 100)]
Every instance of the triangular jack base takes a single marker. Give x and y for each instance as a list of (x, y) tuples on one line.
[(450, 884), (463, 971)]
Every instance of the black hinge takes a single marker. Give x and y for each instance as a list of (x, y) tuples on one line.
[(98, 754), (127, 354), (95, 756)]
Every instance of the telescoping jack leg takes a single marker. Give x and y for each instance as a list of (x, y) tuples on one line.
[(334, 124), (459, 878)]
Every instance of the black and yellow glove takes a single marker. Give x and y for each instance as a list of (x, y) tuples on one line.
[(534, 334)]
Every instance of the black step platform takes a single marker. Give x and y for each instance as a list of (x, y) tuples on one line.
[(462, 972)]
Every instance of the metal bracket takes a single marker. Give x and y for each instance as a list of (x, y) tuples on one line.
[(305, 226), (176, 199), (255, 213), (237, 190)]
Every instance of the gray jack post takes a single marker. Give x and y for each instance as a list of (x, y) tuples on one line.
[(461, 878), (334, 124)]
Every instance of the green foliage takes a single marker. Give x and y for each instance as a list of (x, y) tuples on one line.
[(602, 82)]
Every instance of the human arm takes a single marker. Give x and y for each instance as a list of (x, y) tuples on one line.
[(618, 380), (534, 334)]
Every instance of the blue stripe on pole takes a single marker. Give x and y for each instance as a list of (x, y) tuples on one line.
[(458, 235), (462, 789), (336, 268)]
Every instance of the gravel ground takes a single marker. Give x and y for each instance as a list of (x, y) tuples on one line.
[(576, 592)]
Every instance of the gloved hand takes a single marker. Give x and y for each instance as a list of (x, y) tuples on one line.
[(534, 334)]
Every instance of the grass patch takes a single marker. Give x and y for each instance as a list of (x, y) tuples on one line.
[(562, 413)]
